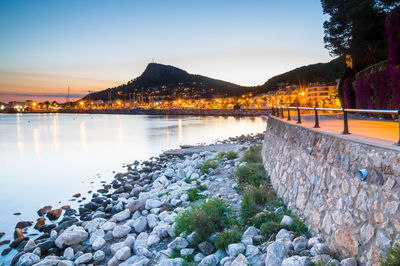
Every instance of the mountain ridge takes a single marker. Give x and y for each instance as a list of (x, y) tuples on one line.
[(168, 82)]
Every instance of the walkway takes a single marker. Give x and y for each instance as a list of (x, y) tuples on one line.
[(375, 131)]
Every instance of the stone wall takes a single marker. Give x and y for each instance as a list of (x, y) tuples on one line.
[(356, 218)]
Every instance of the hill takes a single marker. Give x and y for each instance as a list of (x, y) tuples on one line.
[(321, 72), (168, 82)]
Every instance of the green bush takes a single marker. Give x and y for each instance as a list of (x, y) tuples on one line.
[(260, 194), (193, 195), (201, 187), (393, 256), (207, 165), (253, 155), (205, 218), (223, 239), (248, 207), (269, 223), (251, 174), (230, 155)]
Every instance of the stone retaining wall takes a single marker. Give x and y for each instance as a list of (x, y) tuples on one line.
[(356, 218)]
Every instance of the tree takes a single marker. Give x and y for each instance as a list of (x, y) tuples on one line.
[(357, 27)]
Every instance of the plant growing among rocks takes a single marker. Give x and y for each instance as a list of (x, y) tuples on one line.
[(393, 256), (207, 164), (204, 218)]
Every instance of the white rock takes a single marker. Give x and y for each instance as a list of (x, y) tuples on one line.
[(252, 250), (98, 243), (121, 231), (140, 224), (284, 234), (234, 249), (187, 251), (178, 243), (153, 240), (121, 216), (251, 231), (69, 253), (287, 220), (198, 257), (300, 243), (318, 249), (28, 259), (117, 246), (349, 262), (85, 258), (99, 233), (29, 245), (276, 253), (129, 241), (152, 220), (169, 173), (99, 255), (108, 226), (296, 261), (153, 203), (123, 254), (210, 260), (71, 236), (240, 261)]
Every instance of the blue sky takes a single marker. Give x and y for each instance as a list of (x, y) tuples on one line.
[(47, 45)]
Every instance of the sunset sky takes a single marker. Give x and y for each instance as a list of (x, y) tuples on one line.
[(49, 45)]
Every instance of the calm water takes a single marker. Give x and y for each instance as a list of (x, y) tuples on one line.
[(46, 158)]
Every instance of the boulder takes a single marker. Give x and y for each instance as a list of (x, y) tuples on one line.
[(187, 252), (319, 248), (153, 203), (28, 259), (153, 239), (251, 231), (276, 253), (297, 261), (71, 237), (85, 258), (123, 254), (300, 243), (69, 253), (54, 214), (122, 216), (108, 226), (234, 249), (252, 250), (349, 262), (98, 243), (152, 220), (284, 234), (178, 243), (210, 260), (287, 220), (140, 224), (121, 231), (135, 205), (206, 248), (240, 261)]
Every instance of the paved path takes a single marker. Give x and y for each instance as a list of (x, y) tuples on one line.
[(381, 132)]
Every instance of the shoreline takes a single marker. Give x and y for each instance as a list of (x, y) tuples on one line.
[(192, 112), (131, 220)]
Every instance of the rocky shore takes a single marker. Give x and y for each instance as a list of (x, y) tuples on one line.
[(139, 218)]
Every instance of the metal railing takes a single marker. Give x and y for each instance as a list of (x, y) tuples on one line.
[(279, 112)]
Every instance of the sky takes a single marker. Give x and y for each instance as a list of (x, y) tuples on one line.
[(49, 45)]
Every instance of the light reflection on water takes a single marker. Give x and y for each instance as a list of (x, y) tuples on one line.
[(46, 158)]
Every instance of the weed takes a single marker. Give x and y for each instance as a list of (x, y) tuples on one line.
[(393, 256), (230, 155), (205, 218), (248, 207), (251, 174), (207, 164), (253, 155), (193, 195)]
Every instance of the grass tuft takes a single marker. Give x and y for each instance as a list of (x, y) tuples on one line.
[(207, 164), (206, 218), (393, 256)]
